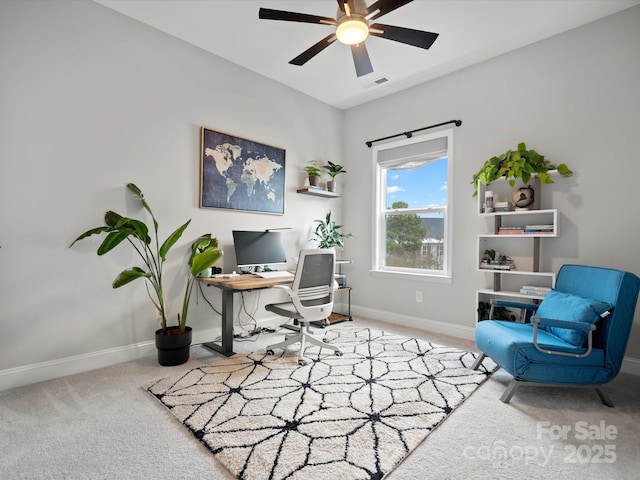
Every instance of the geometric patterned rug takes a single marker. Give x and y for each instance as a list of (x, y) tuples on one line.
[(355, 416)]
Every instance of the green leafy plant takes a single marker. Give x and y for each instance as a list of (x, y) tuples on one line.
[(521, 163), (151, 252), (334, 169), (329, 234), (499, 313), (313, 170), (489, 254)]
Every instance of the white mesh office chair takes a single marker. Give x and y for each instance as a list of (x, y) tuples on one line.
[(311, 295)]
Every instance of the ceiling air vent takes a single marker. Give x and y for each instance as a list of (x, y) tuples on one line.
[(379, 81)]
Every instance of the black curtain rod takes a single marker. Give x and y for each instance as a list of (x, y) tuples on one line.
[(410, 133)]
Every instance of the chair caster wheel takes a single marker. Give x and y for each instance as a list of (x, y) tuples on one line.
[(302, 363), (270, 352), (338, 353)]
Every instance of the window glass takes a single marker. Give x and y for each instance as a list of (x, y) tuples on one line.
[(413, 207)]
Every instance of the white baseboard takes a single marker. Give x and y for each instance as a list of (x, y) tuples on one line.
[(631, 365), (458, 331), (39, 372), (61, 367)]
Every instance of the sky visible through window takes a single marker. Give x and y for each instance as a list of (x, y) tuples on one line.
[(420, 187)]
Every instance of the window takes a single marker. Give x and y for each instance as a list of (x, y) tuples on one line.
[(412, 214)]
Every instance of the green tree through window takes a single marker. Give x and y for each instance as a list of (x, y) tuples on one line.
[(405, 234)]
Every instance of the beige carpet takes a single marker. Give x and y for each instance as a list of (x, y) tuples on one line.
[(102, 425), (354, 416)]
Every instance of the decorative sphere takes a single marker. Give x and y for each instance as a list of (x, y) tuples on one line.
[(522, 197)]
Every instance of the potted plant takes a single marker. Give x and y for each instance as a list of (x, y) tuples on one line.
[(333, 170), (314, 173), (521, 163), (329, 234), (153, 255)]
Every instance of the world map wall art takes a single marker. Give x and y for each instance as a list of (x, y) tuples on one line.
[(239, 174)]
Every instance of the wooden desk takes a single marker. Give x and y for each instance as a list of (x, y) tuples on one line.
[(229, 286)]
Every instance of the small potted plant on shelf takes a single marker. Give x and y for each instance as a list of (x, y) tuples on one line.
[(175, 340), (329, 234), (514, 164), (314, 173), (333, 170)]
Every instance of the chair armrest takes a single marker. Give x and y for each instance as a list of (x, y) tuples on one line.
[(286, 288), (529, 308), (553, 322), (585, 327)]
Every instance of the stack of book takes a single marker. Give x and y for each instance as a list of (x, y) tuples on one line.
[(538, 229), (502, 206), (498, 265), (533, 290), (511, 230)]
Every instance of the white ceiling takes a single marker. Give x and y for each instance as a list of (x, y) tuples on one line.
[(470, 31)]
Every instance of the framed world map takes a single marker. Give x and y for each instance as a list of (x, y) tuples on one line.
[(239, 174)]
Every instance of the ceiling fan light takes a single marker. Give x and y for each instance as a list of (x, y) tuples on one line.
[(352, 31)]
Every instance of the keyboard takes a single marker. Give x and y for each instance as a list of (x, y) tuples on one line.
[(276, 274)]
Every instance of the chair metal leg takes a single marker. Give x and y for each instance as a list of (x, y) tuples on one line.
[(478, 361), (604, 398), (513, 386)]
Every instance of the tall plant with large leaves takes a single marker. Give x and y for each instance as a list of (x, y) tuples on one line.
[(152, 253)]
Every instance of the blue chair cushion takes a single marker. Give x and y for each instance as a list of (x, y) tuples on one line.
[(567, 306), (509, 344)]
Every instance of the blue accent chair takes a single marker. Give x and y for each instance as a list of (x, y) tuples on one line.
[(577, 336)]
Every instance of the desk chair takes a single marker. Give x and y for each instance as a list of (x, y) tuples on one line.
[(311, 299), (577, 337)]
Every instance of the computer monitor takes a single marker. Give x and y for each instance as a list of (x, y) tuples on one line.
[(258, 249)]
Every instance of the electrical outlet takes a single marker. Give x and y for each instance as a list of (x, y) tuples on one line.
[(418, 296)]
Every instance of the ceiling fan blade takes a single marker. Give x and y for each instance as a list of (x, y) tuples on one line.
[(386, 6), (361, 59), (308, 54), (417, 38), (341, 5), (269, 14)]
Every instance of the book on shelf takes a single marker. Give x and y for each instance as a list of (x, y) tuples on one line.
[(538, 228), (534, 290), (502, 207), (511, 231), (509, 265)]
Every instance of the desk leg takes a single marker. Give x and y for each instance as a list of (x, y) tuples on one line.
[(227, 326)]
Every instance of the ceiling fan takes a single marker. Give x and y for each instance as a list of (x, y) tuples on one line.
[(352, 28)]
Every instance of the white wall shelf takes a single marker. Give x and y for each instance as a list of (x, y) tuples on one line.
[(522, 247), (317, 192)]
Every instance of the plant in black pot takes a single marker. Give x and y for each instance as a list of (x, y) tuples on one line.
[(153, 255)]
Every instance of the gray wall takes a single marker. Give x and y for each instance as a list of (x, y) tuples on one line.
[(90, 100), (574, 98)]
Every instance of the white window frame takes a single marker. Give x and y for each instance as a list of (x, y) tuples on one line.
[(378, 267)]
